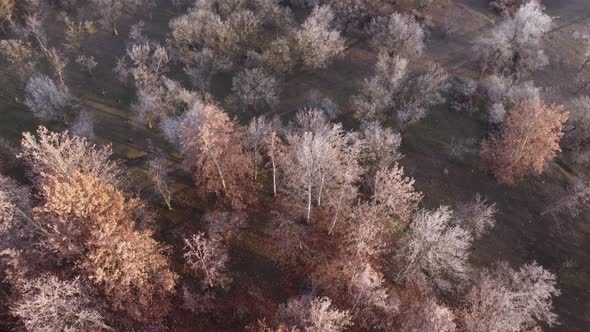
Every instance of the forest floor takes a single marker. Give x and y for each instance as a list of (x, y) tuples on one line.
[(559, 243)]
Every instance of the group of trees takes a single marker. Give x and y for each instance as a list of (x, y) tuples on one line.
[(80, 248)]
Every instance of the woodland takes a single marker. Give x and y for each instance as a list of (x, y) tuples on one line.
[(294, 165)]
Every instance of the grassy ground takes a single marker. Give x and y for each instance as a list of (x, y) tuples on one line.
[(560, 244)]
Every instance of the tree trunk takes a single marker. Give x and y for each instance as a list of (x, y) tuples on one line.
[(308, 203), (274, 178)]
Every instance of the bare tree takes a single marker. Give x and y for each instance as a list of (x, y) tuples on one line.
[(510, 300), (276, 59), (436, 249), (206, 64), (49, 101), (109, 12), (575, 201), (514, 46), (528, 139), (145, 62), (255, 89), (476, 216), (20, 54), (59, 153), (275, 150), (314, 314), (47, 303), (577, 127), (84, 125), (158, 172), (87, 62), (210, 257), (397, 34), (317, 42)]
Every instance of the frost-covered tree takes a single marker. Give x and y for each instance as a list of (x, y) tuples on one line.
[(508, 300), (378, 94), (256, 136), (397, 34), (320, 163), (514, 46), (205, 64), (527, 140), (87, 62), (435, 249), (209, 257), (145, 62), (574, 202), (506, 7), (391, 90), (577, 127), (158, 173), (380, 146), (19, 53), (318, 43), (84, 125), (62, 154), (255, 89), (49, 304), (477, 216), (277, 58), (502, 94), (315, 314), (108, 12), (428, 316), (49, 101)]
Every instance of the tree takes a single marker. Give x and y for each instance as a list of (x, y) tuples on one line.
[(49, 304), (61, 154), (145, 62), (380, 146), (87, 62), (275, 150), (378, 94), (515, 44), (428, 316), (422, 93), (317, 42), (108, 12), (575, 201), (506, 7), (397, 34), (15, 204), (158, 173), (321, 162), (503, 94), (395, 194), (577, 127), (256, 135), (255, 89), (527, 140), (209, 257), (435, 249), (510, 300), (392, 90), (49, 101), (213, 146), (476, 216), (276, 59), (84, 125), (19, 53), (314, 314), (92, 224)]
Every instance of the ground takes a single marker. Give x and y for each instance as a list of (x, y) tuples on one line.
[(521, 235)]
